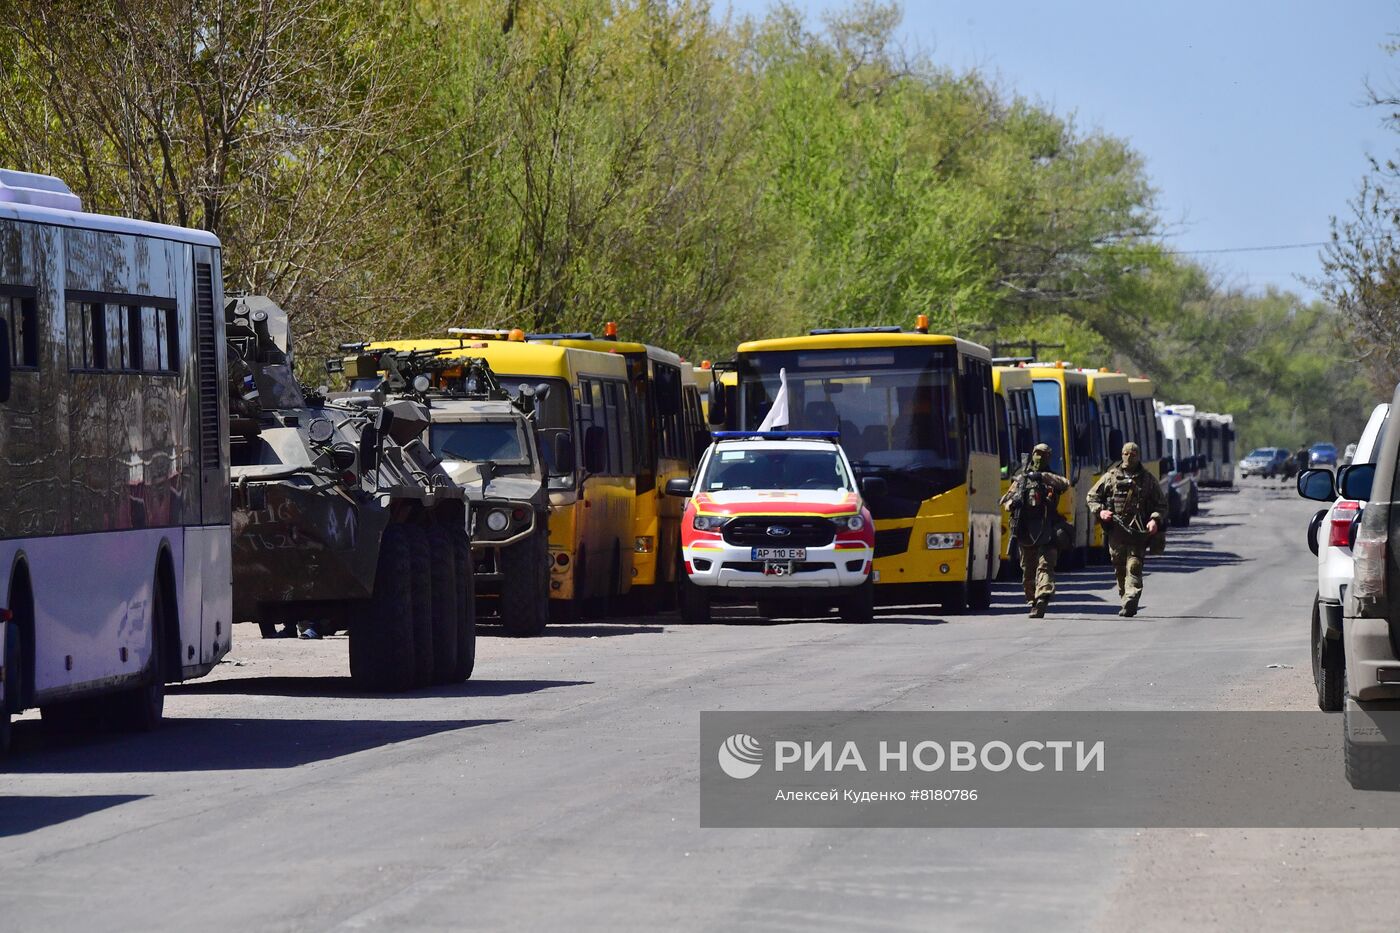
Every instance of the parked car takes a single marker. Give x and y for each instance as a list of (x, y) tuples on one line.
[(1320, 455), (1338, 523), (1371, 623), (775, 518), (1262, 461)]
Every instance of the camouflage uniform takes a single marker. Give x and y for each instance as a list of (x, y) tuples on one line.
[(1033, 524), (1134, 497)]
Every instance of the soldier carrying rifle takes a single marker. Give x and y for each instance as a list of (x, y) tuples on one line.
[(1129, 503), (1034, 522)]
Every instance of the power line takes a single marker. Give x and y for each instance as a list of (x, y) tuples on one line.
[(1250, 249)]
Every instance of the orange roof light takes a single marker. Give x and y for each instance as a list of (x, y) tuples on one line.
[(610, 330), (921, 323), (705, 364), (517, 335)]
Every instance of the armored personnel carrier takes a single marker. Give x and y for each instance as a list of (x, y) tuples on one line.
[(485, 434), (343, 518)]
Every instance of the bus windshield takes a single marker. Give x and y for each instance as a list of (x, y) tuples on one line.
[(552, 416), (895, 408), (1049, 421)]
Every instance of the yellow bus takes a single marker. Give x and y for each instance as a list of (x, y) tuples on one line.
[(915, 413), (668, 436), (1063, 422), (1016, 432), (1110, 401), (587, 440)]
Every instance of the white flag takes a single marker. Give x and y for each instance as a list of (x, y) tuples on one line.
[(777, 416)]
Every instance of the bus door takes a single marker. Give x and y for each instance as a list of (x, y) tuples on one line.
[(604, 564)]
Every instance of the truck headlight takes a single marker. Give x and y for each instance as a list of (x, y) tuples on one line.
[(850, 522), (497, 520), (708, 522), (944, 541)]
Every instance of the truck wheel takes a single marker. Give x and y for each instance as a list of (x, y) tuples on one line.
[(421, 571), (442, 555), (140, 709), (466, 608), (858, 605), (695, 603), (1369, 766), (1329, 665), (525, 586), (381, 637)]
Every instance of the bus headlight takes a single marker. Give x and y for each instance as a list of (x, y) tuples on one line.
[(708, 522), (497, 520), (943, 542), (643, 544), (849, 522)]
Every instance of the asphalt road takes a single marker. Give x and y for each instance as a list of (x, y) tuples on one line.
[(559, 787)]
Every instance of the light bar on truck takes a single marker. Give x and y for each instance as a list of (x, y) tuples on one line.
[(776, 435)]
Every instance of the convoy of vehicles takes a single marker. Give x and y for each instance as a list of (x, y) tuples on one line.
[(116, 459), (777, 518), (913, 409)]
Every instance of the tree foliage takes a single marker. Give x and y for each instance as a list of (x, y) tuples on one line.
[(386, 169)]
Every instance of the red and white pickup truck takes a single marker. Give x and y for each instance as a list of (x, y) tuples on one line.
[(776, 518)]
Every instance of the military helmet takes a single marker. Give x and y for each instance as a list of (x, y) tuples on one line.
[(1132, 448), (1043, 449)]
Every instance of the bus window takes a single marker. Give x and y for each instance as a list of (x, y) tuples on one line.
[(1004, 433), (1049, 423)]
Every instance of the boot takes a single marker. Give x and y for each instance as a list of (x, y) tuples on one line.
[(1037, 609), (1129, 608)]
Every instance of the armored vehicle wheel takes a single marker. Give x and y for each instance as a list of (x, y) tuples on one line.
[(140, 709), (525, 586), (1328, 664), (695, 603), (381, 635), (421, 573), (466, 608), (442, 556), (859, 604)]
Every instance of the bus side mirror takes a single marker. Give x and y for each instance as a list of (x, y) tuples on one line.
[(541, 393), (679, 487), (563, 449), (873, 487), (1354, 482), (4, 366)]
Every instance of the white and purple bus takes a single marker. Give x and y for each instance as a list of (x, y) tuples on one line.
[(114, 482)]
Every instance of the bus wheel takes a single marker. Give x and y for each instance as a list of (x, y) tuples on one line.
[(695, 603), (421, 606), (442, 558), (381, 637), (979, 595), (859, 604), (525, 586), (140, 709), (465, 643)]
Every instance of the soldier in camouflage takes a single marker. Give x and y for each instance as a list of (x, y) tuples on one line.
[(1031, 499), (1129, 503)]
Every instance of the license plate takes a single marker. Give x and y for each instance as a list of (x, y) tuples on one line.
[(779, 553), (777, 568)]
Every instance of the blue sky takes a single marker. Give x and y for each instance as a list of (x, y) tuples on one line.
[(1249, 115)]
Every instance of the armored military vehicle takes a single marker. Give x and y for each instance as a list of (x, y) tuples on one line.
[(485, 434), (343, 518)]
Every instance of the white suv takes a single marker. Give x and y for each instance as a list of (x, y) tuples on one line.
[(1331, 536)]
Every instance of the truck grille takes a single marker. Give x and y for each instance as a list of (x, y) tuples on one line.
[(752, 531)]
